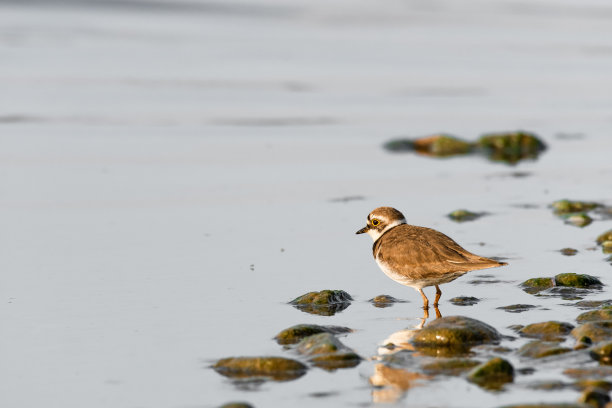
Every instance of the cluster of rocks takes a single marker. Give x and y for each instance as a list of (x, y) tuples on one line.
[(580, 214), (506, 147)]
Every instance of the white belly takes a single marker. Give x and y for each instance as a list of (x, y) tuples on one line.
[(417, 283)]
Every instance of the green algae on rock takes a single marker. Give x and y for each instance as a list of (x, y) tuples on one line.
[(273, 368), (236, 405), (399, 145), (602, 353), (511, 147), (457, 333), (383, 301), (464, 300), (594, 397), (605, 313), (326, 302), (441, 145), (492, 374), (518, 308), (596, 331), (295, 334), (568, 251), (540, 349), (606, 247), (576, 280), (464, 215), (326, 351), (551, 330), (535, 285), (449, 366), (562, 207), (579, 219)]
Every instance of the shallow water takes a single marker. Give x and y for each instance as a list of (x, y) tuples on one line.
[(174, 172)]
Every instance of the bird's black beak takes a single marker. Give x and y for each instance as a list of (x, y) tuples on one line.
[(363, 230)]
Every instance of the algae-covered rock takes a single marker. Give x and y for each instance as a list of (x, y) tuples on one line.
[(576, 280), (569, 206), (535, 285), (602, 353), (540, 349), (493, 374), (382, 301), (464, 301), (449, 366), (578, 219), (441, 145), (511, 147), (592, 304), (551, 330), (568, 251), (594, 397), (458, 333), (236, 405), (464, 215), (596, 331), (325, 302), (606, 236), (604, 313), (589, 373), (606, 247), (518, 308), (326, 351), (295, 334), (273, 368), (593, 383)]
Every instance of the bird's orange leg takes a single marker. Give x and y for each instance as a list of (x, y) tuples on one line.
[(438, 294), (425, 300)]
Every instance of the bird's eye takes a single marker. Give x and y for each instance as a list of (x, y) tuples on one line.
[(375, 222)]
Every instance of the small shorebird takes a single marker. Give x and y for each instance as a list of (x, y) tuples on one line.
[(418, 256)]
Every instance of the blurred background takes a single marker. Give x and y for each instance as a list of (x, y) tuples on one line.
[(172, 172)]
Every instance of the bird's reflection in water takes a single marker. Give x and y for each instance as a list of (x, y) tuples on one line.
[(392, 383)]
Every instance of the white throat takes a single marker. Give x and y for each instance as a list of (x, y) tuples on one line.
[(375, 234)]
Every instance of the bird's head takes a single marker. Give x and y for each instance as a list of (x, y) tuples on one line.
[(381, 220)]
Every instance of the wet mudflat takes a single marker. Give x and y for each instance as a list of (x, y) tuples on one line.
[(173, 176)]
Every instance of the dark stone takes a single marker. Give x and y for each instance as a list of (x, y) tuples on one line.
[(518, 308), (535, 285), (325, 302), (236, 405), (576, 280), (382, 301), (464, 215), (399, 145), (295, 334), (606, 236), (457, 333), (441, 146), (493, 374), (540, 349), (569, 206), (325, 351), (272, 368), (568, 251), (602, 353), (593, 383), (551, 330), (511, 147), (592, 304), (594, 397), (579, 219), (464, 301), (604, 313)]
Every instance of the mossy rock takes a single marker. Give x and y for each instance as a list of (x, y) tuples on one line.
[(568, 251), (594, 397), (517, 308), (606, 236), (579, 219), (511, 147), (493, 374), (326, 302), (551, 330), (326, 351), (535, 285), (464, 301), (593, 383), (295, 334), (592, 304), (399, 145), (236, 405), (382, 301), (569, 206), (576, 280), (604, 313), (596, 331), (457, 333), (449, 366), (464, 215), (540, 349), (441, 146), (606, 247), (589, 373), (602, 353), (273, 368)]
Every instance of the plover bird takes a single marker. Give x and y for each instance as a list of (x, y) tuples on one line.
[(417, 256)]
